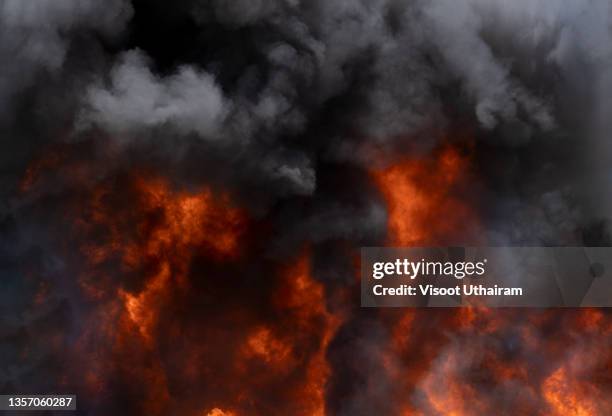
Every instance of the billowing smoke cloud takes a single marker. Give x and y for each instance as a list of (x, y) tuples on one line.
[(188, 101), (286, 124), (36, 38)]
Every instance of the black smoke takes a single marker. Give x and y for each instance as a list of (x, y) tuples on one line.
[(287, 105)]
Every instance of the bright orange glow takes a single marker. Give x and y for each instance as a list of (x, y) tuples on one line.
[(174, 313), (421, 201), (425, 206), (198, 218), (141, 307), (448, 397), (172, 226), (218, 412), (303, 299), (263, 345), (188, 221), (567, 398), (153, 240)]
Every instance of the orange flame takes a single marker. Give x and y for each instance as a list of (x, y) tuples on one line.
[(424, 208), (421, 201), (218, 412), (153, 240), (187, 221), (566, 397), (263, 345), (301, 307), (249, 352), (305, 298)]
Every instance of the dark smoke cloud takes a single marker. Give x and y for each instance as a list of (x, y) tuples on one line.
[(286, 105)]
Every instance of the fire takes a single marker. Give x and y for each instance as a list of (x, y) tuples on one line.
[(422, 201), (181, 312), (501, 360), (425, 206), (264, 346), (171, 225), (149, 254), (565, 397), (190, 219), (448, 372), (475, 355), (141, 307), (218, 412), (300, 305), (152, 241), (445, 395), (305, 299), (187, 222)]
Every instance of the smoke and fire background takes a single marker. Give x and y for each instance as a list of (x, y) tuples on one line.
[(185, 187)]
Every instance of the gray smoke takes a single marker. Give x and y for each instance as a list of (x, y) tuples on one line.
[(187, 102), (36, 38), (286, 105)]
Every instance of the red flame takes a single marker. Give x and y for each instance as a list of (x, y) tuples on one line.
[(445, 366), (138, 242), (265, 352), (154, 239), (304, 299)]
